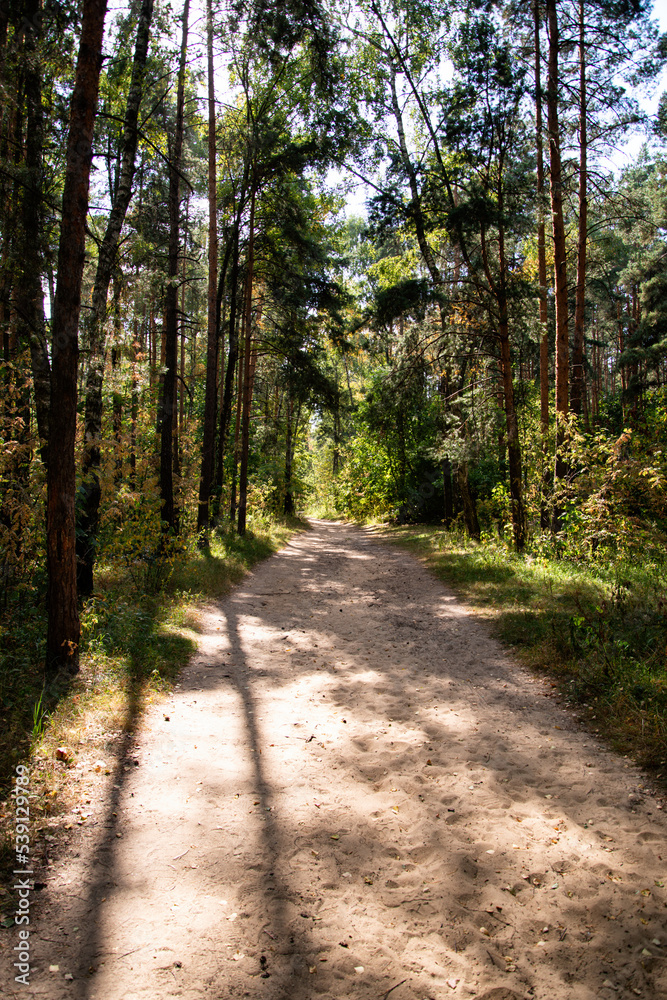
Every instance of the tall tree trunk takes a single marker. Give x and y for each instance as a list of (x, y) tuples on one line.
[(134, 405), (469, 506), (499, 289), (90, 493), (237, 426), (542, 272), (448, 492), (560, 257), (212, 349), (229, 368), (513, 445), (116, 364), (64, 630), (248, 371), (289, 498), (182, 385), (29, 299), (577, 387), (232, 357), (335, 469), (169, 511)]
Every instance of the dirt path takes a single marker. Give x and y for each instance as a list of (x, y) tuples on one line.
[(353, 786)]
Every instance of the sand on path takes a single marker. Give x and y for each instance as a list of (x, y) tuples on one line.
[(354, 792)]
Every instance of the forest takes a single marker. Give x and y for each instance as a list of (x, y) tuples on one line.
[(389, 262)]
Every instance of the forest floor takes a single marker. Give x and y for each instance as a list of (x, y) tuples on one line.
[(353, 792)]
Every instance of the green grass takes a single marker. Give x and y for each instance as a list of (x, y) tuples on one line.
[(133, 646), (600, 630)]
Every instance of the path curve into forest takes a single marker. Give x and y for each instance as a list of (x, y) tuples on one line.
[(355, 787)]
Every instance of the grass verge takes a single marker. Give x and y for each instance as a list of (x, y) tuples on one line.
[(133, 645), (599, 630)]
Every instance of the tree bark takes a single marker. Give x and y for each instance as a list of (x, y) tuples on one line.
[(237, 426), (134, 404), (225, 408), (64, 629), (29, 300), (448, 493), (469, 506), (511, 422), (90, 493), (248, 371), (560, 258), (289, 498), (542, 270), (577, 387), (212, 349), (169, 511)]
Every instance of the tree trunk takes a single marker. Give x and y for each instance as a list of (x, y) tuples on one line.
[(29, 300), (134, 406), (513, 445), (63, 633), (90, 491), (289, 499), (232, 357), (577, 388), (230, 368), (469, 506), (116, 364), (212, 349), (237, 427), (560, 258), (448, 492), (336, 435), (169, 511), (248, 371), (511, 422), (542, 272)]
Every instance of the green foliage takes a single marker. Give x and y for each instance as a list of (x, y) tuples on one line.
[(366, 489), (136, 540)]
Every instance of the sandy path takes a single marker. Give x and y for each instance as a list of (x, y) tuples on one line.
[(356, 786)]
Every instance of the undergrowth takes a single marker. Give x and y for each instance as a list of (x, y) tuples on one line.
[(600, 629)]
